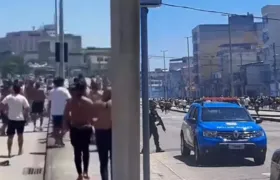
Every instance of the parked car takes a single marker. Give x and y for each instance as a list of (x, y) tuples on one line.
[(275, 166)]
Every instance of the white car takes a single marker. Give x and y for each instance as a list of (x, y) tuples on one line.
[(275, 166)]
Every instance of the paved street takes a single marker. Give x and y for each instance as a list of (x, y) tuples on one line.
[(33, 156), (164, 166), (183, 168)]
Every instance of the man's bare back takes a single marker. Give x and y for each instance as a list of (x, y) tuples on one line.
[(80, 111)]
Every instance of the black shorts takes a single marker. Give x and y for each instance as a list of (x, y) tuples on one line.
[(15, 126), (57, 121), (37, 107)]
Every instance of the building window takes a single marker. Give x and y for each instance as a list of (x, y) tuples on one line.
[(25, 45), (195, 47), (107, 59), (99, 59), (265, 37)]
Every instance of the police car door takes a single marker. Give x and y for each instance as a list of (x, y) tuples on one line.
[(193, 126), (187, 126)]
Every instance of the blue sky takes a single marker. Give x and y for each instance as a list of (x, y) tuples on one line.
[(91, 19)]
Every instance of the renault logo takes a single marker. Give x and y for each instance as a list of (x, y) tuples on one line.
[(235, 134)]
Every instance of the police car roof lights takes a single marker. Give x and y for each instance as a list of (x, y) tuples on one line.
[(218, 99)]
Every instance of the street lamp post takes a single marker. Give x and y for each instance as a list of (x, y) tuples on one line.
[(165, 77), (189, 66), (230, 57), (61, 39), (56, 33)]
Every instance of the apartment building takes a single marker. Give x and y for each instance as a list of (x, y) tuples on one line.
[(208, 38), (270, 34)]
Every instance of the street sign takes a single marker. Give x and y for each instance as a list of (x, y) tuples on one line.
[(150, 3)]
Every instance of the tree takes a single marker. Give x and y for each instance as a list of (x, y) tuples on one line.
[(13, 65)]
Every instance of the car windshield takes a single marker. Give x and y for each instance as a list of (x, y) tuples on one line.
[(225, 114)]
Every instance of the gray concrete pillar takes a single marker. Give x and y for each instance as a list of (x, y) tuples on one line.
[(124, 75)]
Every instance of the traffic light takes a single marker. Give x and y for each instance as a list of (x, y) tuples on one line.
[(66, 52), (57, 52)]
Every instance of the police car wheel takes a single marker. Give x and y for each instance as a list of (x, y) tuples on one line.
[(184, 150), (197, 154), (259, 160)]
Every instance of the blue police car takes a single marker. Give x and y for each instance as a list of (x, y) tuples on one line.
[(217, 128)]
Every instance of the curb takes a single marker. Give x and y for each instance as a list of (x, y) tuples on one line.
[(47, 144)]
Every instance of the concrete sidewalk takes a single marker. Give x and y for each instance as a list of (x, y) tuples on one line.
[(60, 164), (33, 155)]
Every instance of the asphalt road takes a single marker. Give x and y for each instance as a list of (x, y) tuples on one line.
[(185, 168)]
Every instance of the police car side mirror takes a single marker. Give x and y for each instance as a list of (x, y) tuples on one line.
[(192, 120), (258, 120)]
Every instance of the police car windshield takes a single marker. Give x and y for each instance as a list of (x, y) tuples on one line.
[(224, 114)]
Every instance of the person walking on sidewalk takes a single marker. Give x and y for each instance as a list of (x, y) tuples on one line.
[(37, 108), (58, 98), (103, 132), (5, 91), (78, 117), (18, 107)]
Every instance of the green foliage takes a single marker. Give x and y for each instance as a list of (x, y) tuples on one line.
[(13, 65)]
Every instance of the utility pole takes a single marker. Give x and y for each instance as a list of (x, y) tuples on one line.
[(241, 64), (149, 76), (61, 39), (275, 70), (230, 57), (56, 34), (165, 74), (189, 67), (241, 59)]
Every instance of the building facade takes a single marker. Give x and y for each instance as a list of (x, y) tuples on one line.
[(242, 54), (208, 38), (271, 29), (97, 60)]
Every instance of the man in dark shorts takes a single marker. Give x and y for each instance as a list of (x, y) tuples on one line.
[(37, 108), (6, 90), (17, 108), (58, 97)]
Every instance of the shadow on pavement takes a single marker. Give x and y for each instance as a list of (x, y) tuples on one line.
[(218, 162), (54, 147), (6, 156), (35, 131), (38, 153), (44, 141), (5, 163)]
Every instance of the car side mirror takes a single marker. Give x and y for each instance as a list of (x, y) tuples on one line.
[(258, 120), (192, 120)]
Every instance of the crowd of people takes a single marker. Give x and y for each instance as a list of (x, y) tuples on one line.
[(81, 110), (256, 103)]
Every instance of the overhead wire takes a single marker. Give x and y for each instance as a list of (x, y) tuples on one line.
[(215, 12)]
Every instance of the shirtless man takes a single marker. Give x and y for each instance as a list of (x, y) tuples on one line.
[(78, 118), (37, 108), (103, 131)]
